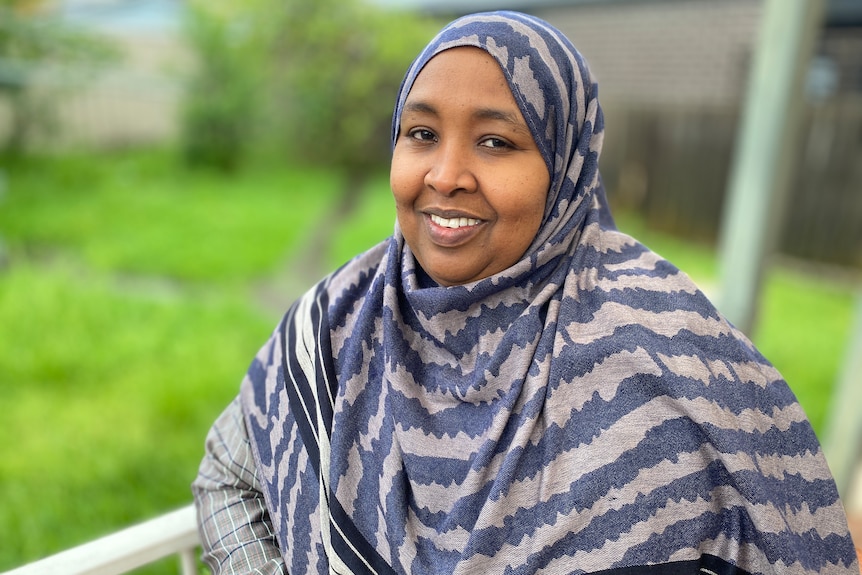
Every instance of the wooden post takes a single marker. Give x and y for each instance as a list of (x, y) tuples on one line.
[(843, 436), (766, 143)]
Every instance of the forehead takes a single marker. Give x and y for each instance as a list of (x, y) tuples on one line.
[(465, 75), (461, 57)]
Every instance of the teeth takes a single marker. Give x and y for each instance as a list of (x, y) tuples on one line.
[(453, 222)]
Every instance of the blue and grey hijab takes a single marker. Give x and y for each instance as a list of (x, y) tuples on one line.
[(586, 410)]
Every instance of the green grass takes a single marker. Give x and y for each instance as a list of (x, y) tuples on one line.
[(108, 393), (804, 330), (143, 215), (372, 221), (130, 310), (127, 324)]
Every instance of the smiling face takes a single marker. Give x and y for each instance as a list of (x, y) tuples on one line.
[(468, 180)]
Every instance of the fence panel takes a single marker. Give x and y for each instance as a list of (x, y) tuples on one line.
[(673, 166)]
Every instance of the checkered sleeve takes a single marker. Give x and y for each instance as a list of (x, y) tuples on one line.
[(234, 524)]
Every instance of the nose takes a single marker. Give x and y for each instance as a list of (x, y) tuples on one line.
[(451, 171)]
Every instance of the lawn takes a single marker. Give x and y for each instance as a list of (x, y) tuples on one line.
[(131, 304)]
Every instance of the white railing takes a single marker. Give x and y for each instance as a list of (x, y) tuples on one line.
[(174, 533)]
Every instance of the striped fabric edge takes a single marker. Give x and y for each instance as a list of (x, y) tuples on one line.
[(705, 565), (311, 384)]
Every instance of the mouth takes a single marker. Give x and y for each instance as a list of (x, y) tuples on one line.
[(452, 230), (454, 223)]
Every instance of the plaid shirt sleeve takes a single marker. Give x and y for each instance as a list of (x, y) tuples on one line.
[(234, 524)]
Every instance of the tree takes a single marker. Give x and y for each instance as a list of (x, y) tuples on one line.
[(310, 81), (223, 91), (341, 63), (314, 80)]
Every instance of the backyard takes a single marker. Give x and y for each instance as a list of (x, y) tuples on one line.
[(135, 292)]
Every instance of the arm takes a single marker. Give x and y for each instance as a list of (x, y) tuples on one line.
[(235, 528)]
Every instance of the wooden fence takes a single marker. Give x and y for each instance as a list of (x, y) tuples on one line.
[(673, 165)]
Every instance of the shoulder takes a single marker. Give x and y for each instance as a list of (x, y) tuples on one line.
[(617, 274), (360, 280), (625, 290)]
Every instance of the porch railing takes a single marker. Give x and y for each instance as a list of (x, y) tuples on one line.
[(174, 533)]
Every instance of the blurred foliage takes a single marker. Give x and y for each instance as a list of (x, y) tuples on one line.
[(313, 81), (223, 91), (36, 54), (343, 64)]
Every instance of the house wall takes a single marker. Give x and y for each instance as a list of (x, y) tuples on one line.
[(693, 52), (131, 102), (136, 103)]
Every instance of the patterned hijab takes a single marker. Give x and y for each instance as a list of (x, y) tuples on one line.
[(585, 410)]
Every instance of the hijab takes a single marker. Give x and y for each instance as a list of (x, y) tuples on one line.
[(585, 410)]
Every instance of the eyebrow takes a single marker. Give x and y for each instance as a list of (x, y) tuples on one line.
[(481, 114), (419, 108)]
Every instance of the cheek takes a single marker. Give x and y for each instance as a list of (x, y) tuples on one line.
[(402, 179), (404, 200), (527, 203), (539, 187), (529, 209), (401, 184)]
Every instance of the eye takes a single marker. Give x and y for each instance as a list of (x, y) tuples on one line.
[(422, 135), (495, 143)]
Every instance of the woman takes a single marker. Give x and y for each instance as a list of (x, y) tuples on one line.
[(508, 383)]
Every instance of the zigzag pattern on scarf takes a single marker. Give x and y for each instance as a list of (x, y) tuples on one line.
[(587, 409)]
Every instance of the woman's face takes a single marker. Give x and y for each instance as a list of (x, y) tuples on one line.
[(468, 180)]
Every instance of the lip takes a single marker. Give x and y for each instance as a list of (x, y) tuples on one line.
[(451, 237)]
